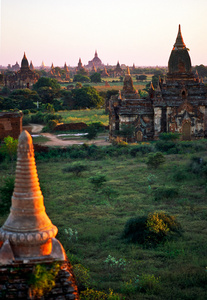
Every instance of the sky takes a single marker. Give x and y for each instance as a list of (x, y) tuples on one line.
[(140, 32)]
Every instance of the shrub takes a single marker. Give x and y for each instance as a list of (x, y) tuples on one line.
[(26, 119), (152, 229), (165, 193), (149, 283), (98, 180), (82, 276), (170, 136), (165, 146), (6, 192), (91, 294), (42, 279), (76, 168), (155, 160)]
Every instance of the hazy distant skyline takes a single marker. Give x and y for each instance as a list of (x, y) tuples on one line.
[(131, 32)]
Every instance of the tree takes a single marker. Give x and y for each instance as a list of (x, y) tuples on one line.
[(141, 77), (81, 78), (46, 82), (95, 77), (47, 88), (24, 98), (86, 97), (92, 132)]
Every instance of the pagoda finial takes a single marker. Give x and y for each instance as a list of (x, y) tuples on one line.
[(179, 43), (128, 71), (28, 229), (96, 54)]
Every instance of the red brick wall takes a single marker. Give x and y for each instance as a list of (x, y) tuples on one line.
[(10, 124)]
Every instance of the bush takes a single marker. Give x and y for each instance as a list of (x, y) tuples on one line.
[(6, 192), (76, 168), (165, 146), (152, 229), (91, 294), (155, 160), (42, 279), (82, 276), (52, 124), (165, 193), (170, 136), (98, 180)]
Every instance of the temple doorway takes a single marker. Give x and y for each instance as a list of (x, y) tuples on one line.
[(186, 132), (139, 136)]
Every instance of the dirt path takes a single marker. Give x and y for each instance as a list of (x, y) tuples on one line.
[(55, 141)]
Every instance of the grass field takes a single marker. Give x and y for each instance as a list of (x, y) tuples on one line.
[(116, 85), (95, 221), (85, 115)]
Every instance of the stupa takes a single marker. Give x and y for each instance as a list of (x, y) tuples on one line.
[(27, 237)]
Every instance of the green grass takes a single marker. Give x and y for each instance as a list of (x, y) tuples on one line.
[(40, 139), (178, 266), (85, 115)]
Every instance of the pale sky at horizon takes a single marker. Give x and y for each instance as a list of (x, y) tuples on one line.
[(133, 31)]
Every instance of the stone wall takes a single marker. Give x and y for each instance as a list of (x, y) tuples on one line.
[(10, 124), (14, 282)]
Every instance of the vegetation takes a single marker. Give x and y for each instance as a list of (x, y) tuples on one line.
[(42, 280), (167, 260)]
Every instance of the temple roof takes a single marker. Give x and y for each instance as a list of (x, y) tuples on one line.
[(179, 43), (179, 61), (24, 63)]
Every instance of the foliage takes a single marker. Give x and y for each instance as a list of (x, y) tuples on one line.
[(9, 148), (82, 276), (46, 82), (91, 294), (170, 136), (127, 131), (75, 168), (6, 191), (151, 229), (98, 180), (161, 193), (112, 262), (109, 192), (43, 279), (92, 132), (86, 97), (81, 78), (24, 98), (155, 160), (47, 89), (72, 234), (52, 124), (95, 77)]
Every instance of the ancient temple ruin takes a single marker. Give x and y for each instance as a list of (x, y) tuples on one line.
[(179, 104), (10, 124), (24, 78), (27, 238)]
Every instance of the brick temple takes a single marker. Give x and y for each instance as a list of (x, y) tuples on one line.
[(179, 104)]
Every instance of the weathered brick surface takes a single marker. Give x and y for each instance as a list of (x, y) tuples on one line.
[(14, 282), (10, 124)]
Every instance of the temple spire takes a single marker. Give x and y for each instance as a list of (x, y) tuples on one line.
[(179, 43), (28, 228)]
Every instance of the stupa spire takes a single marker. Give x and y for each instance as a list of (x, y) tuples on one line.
[(179, 43), (28, 229)]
